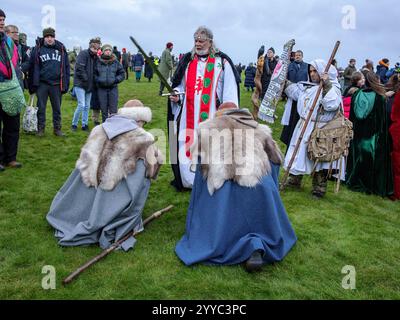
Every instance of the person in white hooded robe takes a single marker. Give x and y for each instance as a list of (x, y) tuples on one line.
[(329, 100)]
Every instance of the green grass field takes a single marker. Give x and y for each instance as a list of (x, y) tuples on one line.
[(343, 229)]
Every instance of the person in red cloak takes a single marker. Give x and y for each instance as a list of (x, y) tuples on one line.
[(395, 133)]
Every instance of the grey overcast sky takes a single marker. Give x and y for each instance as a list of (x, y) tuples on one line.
[(367, 29)]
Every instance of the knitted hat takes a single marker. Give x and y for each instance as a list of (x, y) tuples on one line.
[(22, 37), (2, 14), (169, 45), (107, 47), (134, 109), (384, 62), (49, 32)]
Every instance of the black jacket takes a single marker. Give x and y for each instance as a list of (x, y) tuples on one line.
[(108, 73), (84, 70), (269, 67), (51, 71)]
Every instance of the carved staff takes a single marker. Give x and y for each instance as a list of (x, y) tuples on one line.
[(273, 94), (296, 149), (114, 246)]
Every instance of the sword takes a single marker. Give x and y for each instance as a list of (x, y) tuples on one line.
[(154, 67)]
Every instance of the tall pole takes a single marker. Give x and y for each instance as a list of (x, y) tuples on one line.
[(310, 113)]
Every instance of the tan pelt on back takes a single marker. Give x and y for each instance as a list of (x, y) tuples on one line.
[(236, 158), (104, 163)]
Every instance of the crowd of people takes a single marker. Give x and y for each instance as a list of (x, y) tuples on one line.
[(119, 158)]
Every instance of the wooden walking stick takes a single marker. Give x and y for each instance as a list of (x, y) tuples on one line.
[(296, 149), (105, 252)]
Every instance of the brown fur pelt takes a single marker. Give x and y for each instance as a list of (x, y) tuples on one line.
[(257, 81), (104, 163), (238, 159)]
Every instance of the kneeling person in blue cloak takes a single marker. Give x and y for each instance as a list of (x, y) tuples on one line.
[(103, 198), (236, 214)]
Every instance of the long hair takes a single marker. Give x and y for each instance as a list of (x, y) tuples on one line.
[(355, 77), (372, 82), (394, 83), (209, 35)]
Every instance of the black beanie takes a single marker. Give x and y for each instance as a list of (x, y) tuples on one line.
[(2, 14), (49, 32)]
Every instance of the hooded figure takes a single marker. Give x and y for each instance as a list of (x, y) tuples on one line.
[(236, 214), (369, 166), (330, 100), (103, 198)]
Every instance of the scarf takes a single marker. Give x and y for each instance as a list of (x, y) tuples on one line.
[(5, 55), (108, 59)]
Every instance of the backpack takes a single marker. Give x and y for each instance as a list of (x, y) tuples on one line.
[(331, 142)]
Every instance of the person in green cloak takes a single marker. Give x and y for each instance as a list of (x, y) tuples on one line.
[(369, 167)]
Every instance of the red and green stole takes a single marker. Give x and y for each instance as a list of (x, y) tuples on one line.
[(193, 85)]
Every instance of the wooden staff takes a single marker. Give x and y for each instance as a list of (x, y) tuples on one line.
[(105, 252), (296, 149)]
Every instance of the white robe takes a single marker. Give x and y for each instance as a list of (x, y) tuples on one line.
[(305, 95), (225, 87)]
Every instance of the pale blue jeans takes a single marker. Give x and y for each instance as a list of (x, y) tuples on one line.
[(83, 98)]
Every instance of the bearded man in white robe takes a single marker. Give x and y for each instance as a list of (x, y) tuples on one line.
[(206, 77)]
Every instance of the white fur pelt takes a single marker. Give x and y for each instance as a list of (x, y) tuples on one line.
[(243, 161), (104, 163)]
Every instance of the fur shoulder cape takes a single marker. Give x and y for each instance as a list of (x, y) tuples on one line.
[(104, 163), (242, 155)]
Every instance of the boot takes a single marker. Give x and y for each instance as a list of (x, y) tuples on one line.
[(255, 262), (96, 117), (294, 181), (40, 132), (320, 183), (14, 164), (58, 133)]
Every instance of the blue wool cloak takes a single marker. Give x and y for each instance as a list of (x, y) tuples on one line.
[(229, 226)]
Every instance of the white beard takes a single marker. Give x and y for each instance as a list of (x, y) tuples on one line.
[(202, 52)]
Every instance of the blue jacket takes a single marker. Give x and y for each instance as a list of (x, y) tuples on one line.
[(250, 74), (390, 73), (49, 65), (108, 73), (381, 73), (298, 72), (138, 60)]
